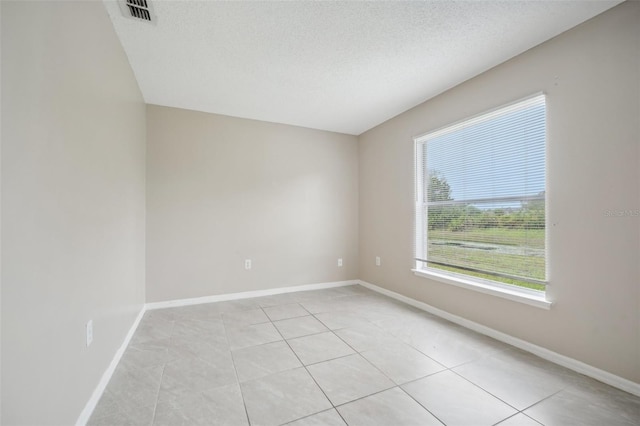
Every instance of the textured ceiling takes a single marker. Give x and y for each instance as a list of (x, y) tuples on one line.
[(339, 66)]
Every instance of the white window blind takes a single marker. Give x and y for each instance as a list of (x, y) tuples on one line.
[(480, 196)]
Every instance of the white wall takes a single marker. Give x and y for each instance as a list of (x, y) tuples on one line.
[(221, 190), (73, 158), (591, 75)]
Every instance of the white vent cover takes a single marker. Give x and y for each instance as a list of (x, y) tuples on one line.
[(137, 9)]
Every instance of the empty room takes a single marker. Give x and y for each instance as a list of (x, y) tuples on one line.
[(320, 213)]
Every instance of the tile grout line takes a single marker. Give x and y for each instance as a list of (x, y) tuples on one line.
[(420, 404), (235, 370), (512, 416), (389, 378), (484, 390), (420, 378), (538, 402), (155, 406), (518, 411), (312, 378), (164, 366), (355, 352), (310, 415)]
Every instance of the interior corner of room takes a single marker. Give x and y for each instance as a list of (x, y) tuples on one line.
[(111, 204)]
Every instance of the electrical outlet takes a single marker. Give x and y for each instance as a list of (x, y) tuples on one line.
[(89, 332), (247, 264), (378, 262), (340, 262)]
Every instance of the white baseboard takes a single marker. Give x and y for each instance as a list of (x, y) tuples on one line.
[(565, 361), (106, 376), (247, 294)]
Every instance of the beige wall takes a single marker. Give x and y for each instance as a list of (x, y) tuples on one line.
[(591, 76), (223, 189), (73, 158)]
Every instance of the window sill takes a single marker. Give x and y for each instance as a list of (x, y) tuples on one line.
[(533, 298)]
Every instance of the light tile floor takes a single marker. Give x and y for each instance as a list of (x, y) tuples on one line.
[(340, 356)]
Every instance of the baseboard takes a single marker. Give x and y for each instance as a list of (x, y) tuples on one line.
[(556, 358), (247, 294), (106, 376)]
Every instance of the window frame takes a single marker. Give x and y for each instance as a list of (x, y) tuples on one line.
[(537, 298)]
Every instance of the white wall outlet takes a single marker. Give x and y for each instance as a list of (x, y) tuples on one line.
[(340, 262), (378, 262), (89, 332), (247, 264)]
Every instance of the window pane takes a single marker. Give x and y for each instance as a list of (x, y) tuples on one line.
[(482, 196)]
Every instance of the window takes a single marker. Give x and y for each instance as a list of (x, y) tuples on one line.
[(480, 199)]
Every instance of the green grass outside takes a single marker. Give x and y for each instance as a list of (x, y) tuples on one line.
[(490, 277), (533, 238), (512, 264)]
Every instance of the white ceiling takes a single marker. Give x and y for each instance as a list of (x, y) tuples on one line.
[(338, 66)]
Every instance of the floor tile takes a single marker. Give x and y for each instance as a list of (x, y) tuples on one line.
[(352, 303), (252, 335), (355, 290), (325, 418), (235, 305), (168, 314), (453, 400), (165, 416), (206, 348), (190, 375), (519, 420), (319, 347), (139, 416), (283, 397), (380, 310), (587, 406), (348, 378), (220, 406), (227, 405), (106, 406), (298, 327), (134, 388), (197, 329), (341, 319), (319, 306), (414, 324), (513, 377), (277, 299), (259, 361), (205, 311), (390, 407), (401, 363), (365, 338), (241, 318), (325, 294), (144, 356), (152, 329), (281, 312), (452, 346)]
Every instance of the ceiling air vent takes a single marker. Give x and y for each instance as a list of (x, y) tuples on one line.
[(137, 9)]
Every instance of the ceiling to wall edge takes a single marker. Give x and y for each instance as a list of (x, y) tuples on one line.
[(416, 103)]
